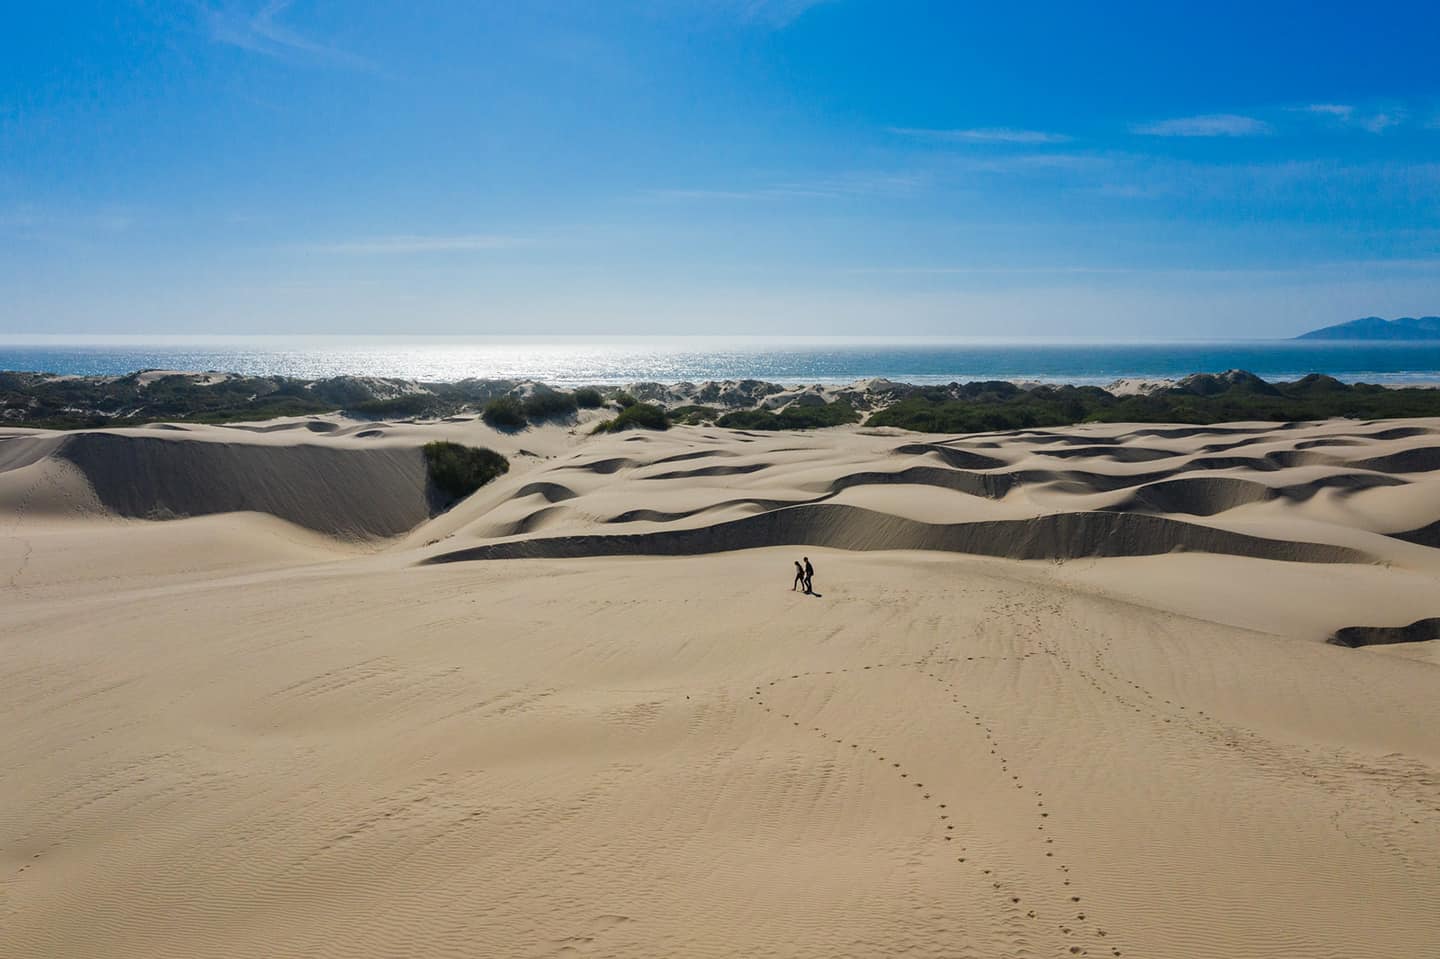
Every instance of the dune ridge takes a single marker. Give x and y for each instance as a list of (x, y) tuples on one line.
[(1060, 537), (343, 482)]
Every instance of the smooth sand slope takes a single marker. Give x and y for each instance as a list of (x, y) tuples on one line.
[(1064, 692)]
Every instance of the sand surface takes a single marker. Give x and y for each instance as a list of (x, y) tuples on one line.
[(1063, 692)]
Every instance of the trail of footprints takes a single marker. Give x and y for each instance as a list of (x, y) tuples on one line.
[(1073, 923), (1335, 773), (24, 562)]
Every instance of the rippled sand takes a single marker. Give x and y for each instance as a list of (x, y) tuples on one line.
[(1063, 692)]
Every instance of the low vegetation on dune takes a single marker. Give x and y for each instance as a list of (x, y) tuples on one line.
[(504, 413), (52, 402), (693, 415), (29, 399), (646, 416), (458, 470), (541, 405), (980, 407), (1201, 399), (793, 417), (588, 398), (409, 406), (549, 405)]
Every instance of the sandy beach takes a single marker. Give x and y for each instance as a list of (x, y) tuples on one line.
[(1061, 692)]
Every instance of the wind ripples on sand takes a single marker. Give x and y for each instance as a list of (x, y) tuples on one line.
[(787, 361)]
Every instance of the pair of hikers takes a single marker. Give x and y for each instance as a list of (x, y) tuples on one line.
[(804, 576)]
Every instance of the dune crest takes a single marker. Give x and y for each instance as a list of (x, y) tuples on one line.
[(1056, 537)]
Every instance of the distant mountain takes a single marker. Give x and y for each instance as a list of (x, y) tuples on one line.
[(1375, 328)]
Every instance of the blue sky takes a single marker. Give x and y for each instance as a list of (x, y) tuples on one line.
[(707, 166)]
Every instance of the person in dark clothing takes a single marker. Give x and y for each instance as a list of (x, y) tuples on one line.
[(809, 576), (799, 578)]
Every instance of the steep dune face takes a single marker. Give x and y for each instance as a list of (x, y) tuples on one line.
[(350, 480), (1211, 495), (1060, 537), (1420, 631), (347, 493)]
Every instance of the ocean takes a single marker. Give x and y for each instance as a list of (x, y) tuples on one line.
[(568, 362)]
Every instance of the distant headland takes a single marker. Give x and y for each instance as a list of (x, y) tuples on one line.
[(1377, 328)]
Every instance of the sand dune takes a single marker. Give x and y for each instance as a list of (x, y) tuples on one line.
[(343, 492), (1059, 537), (1166, 692)]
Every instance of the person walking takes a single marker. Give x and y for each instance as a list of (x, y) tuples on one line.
[(809, 576), (799, 578)]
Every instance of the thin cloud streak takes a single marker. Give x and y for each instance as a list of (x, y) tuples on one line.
[(261, 32), (980, 135), (99, 223), (992, 270), (1380, 122), (1423, 265), (1206, 125), (777, 13), (409, 244), (1375, 121), (834, 187)]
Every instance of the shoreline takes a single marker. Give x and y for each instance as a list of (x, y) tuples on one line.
[(1124, 382), (569, 361)]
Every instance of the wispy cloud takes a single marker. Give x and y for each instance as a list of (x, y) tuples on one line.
[(994, 270), (775, 13), (1380, 122), (1049, 164), (262, 31), (1206, 125), (980, 135), (829, 187), (1374, 120), (94, 223), (411, 243), (1326, 266)]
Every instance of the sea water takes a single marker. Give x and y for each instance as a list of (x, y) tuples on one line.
[(566, 362)]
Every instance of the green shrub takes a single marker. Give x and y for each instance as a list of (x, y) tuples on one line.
[(637, 416), (588, 399), (411, 404), (791, 418), (693, 415), (459, 470), (622, 399), (504, 413), (984, 407), (547, 406)]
